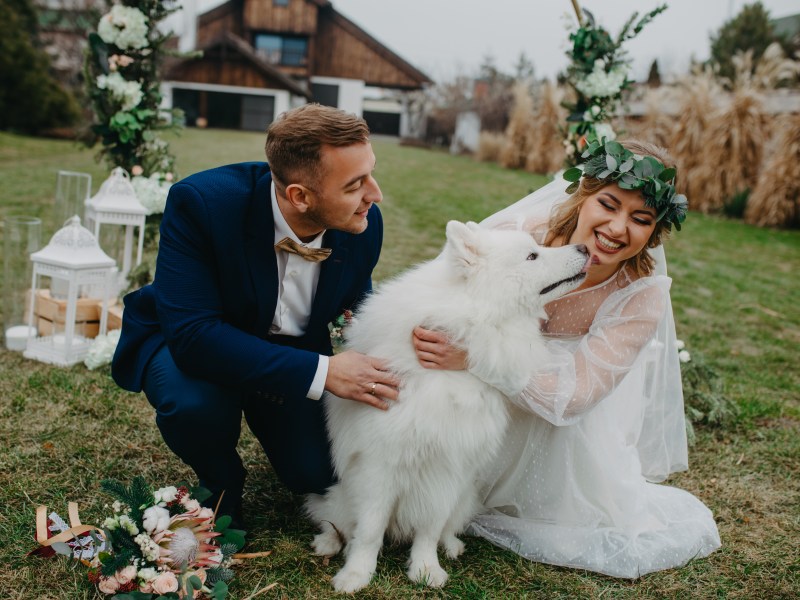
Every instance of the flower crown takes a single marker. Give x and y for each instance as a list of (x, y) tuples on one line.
[(610, 161)]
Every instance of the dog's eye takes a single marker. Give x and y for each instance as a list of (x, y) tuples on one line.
[(533, 256)]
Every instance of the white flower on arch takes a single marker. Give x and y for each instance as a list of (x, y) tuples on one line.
[(125, 27)]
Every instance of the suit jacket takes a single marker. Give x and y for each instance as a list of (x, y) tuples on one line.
[(216, 288)]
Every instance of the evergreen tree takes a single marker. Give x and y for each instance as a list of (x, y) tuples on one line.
[(654, 76), (494, 104), (523, 69), (30, 99), (752, 30)]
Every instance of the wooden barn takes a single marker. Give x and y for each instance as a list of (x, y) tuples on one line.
[(262, 57)]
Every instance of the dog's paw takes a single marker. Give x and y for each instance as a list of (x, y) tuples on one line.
[(326, 544), (431, 575), (349, 581), (453, 547)]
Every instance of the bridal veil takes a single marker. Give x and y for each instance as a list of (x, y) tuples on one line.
[(574, 484)]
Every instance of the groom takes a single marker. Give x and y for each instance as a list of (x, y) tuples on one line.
[(254, 261)]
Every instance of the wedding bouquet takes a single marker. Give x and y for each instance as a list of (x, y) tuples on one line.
[(163, 544)]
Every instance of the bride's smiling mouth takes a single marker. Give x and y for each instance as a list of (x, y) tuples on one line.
[(607, 244)]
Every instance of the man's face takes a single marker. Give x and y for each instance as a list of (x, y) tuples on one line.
[(346, 189)]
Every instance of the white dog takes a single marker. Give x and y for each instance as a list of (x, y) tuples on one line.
[(412, 469)]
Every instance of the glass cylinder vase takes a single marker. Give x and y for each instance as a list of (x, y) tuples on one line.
[(21, 237)]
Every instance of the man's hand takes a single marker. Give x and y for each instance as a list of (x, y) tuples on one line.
[(359, 377), (435, 351)]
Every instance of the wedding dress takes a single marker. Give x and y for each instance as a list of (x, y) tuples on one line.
[(596, 428)]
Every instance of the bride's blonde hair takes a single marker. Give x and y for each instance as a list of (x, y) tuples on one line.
[(564, 219)]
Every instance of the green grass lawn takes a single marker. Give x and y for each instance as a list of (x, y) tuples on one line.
[(735, 295)]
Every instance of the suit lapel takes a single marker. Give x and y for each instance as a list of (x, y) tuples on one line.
[(259, 246)]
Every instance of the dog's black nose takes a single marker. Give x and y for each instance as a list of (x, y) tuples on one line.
[(582, 249)]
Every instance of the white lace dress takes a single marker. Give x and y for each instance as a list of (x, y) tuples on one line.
[(574, 484)]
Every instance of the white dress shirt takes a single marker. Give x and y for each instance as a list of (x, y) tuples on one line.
[(297, 285)]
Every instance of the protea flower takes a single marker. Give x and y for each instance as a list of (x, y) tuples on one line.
[(186, 543)]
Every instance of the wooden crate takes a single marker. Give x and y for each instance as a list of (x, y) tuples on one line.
[(51, 314), (87, 329), (114, 315)]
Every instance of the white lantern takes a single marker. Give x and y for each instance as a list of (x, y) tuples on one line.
[(74, 260), (116, 204)]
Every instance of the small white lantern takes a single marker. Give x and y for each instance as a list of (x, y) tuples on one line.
[(116, 204), (73, 259)]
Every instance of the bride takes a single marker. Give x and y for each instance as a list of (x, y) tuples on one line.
[(596, 429)]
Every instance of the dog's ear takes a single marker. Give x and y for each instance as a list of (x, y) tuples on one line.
[(473, 225), (463, 242)]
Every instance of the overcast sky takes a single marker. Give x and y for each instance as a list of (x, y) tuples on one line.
[(446, 37)]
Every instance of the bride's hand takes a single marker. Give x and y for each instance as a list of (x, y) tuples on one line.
[(435, 351)]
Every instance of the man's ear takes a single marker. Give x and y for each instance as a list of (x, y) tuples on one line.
[(299, 196)]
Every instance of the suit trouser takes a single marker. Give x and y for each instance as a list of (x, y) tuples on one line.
[(201, 422)]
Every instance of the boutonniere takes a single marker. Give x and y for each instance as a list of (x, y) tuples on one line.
[(337, 327)]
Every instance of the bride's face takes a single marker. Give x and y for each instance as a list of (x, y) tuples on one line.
[(615, 225)]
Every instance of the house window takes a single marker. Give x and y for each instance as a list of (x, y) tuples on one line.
[(282, 50)]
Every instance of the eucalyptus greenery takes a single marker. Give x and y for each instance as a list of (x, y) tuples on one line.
[(611, 161), (598, 73), (704, 397), (129, 134)]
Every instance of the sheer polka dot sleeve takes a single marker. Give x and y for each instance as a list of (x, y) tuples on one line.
[(579, 373)]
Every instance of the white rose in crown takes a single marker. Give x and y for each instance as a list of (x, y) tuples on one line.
[(155, 519)]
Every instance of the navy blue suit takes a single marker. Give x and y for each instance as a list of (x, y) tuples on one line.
[(197, 339)]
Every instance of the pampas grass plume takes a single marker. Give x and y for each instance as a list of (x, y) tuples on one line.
[(519, 138), (730, 154), (775, 200), (490, 146), (547, 147), (689, 139)]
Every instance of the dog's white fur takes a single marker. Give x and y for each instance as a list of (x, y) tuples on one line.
[(412, 470)]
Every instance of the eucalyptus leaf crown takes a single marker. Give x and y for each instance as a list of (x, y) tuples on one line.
[(611, 161)]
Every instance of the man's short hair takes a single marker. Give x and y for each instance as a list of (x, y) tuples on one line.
[(295, 139)]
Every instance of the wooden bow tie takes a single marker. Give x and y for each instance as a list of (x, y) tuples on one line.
[(310, 254)]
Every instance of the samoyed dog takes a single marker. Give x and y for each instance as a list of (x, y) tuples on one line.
[(411, 471)]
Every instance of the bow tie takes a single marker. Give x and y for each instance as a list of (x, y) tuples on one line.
[(309, 254)]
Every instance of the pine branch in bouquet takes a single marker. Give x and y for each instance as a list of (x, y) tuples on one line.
[(118, 560), (135, 496)]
